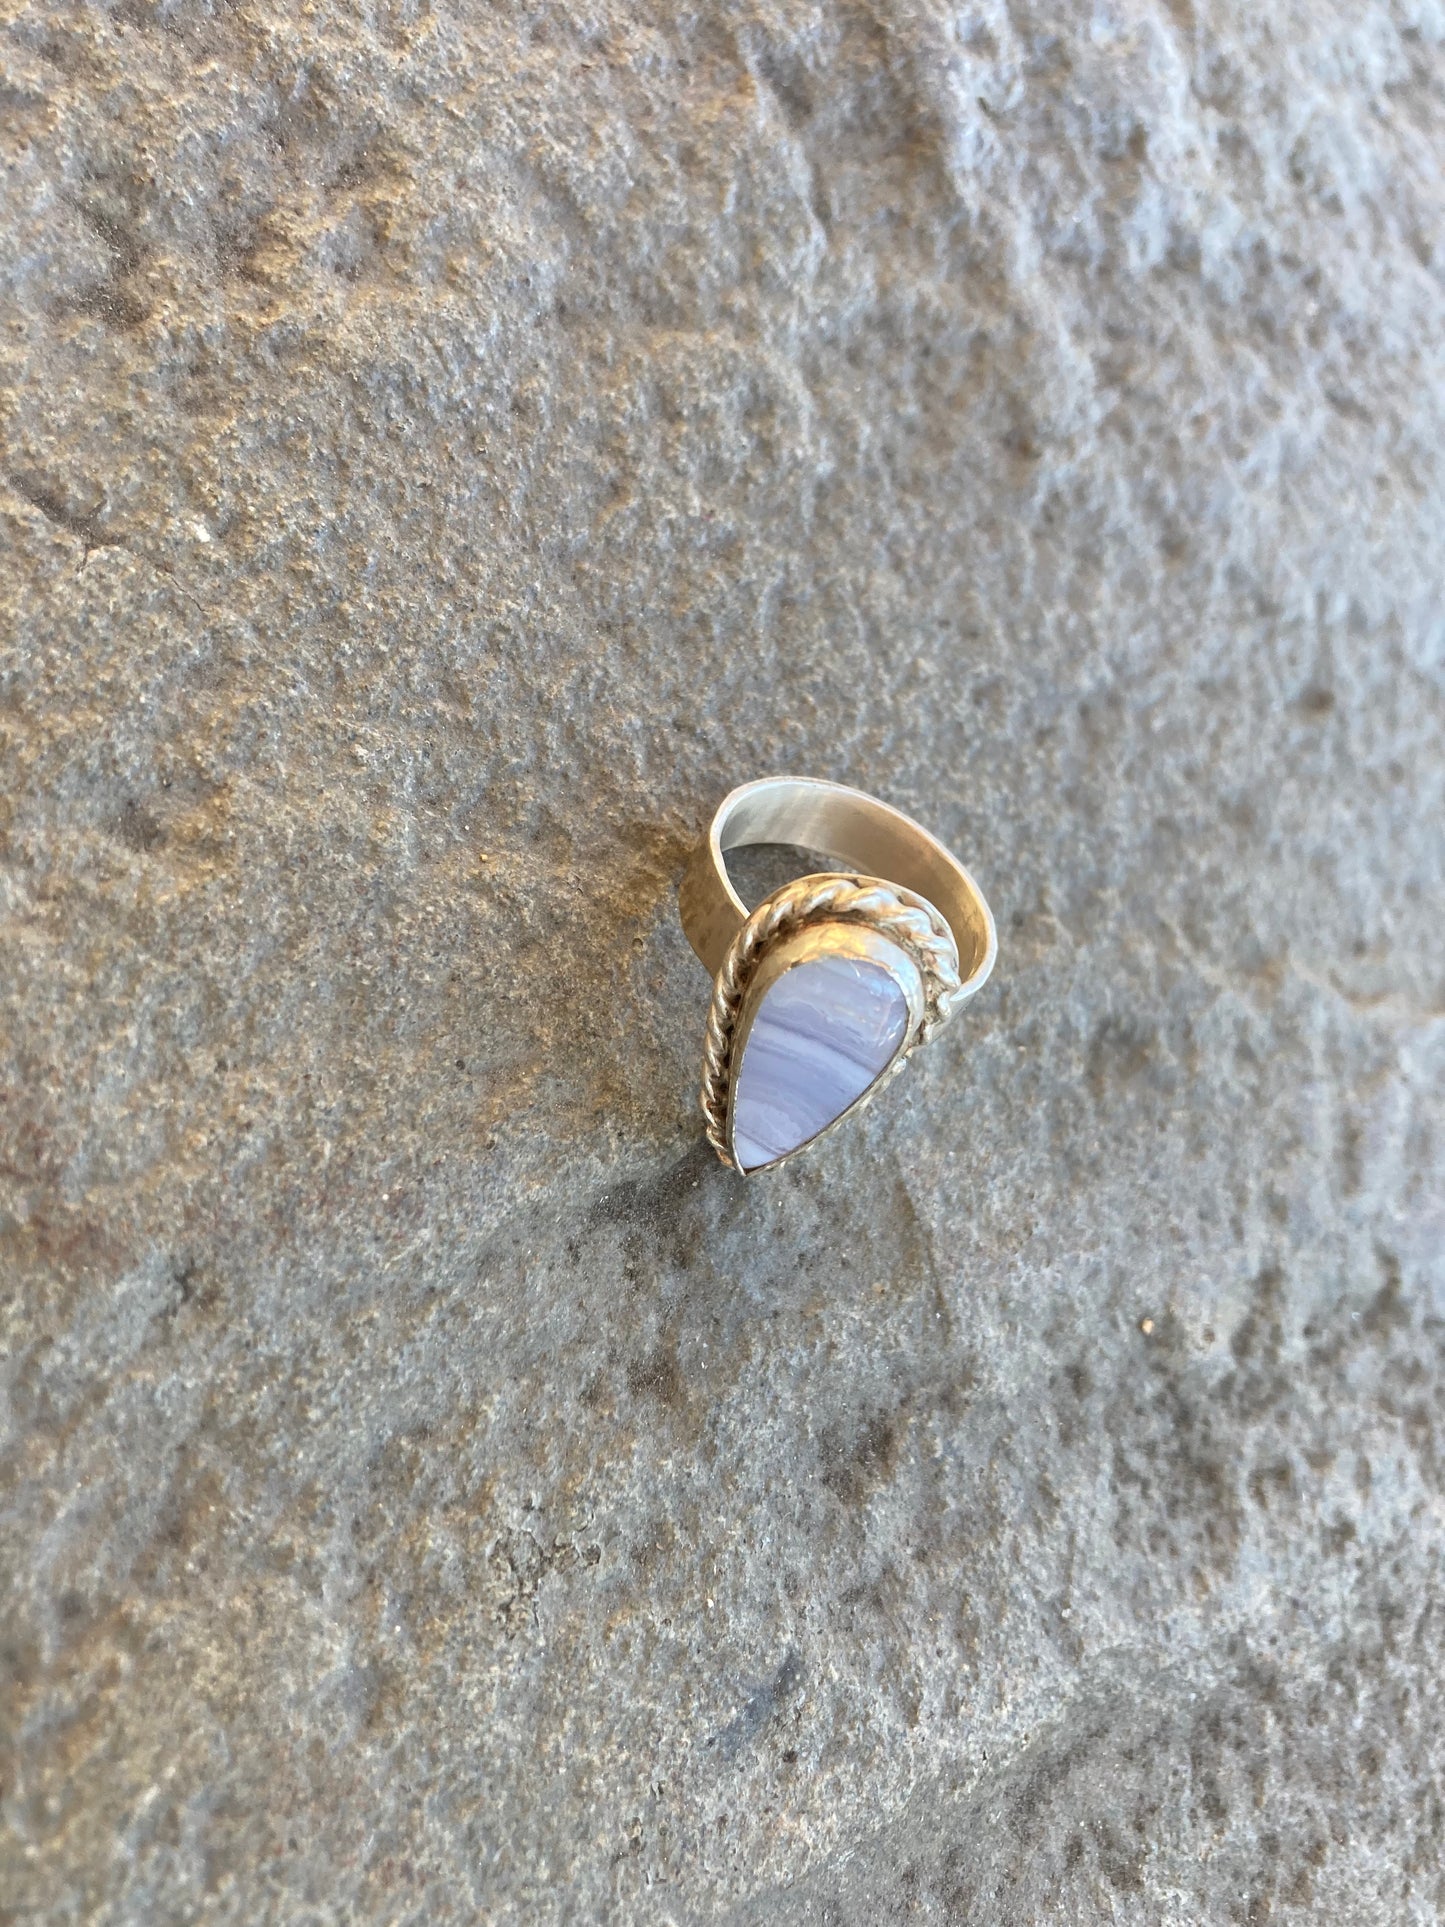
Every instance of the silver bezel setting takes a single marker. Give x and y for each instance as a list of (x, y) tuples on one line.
[(844, 901)]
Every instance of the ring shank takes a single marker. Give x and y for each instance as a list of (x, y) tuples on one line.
[(851, 829)]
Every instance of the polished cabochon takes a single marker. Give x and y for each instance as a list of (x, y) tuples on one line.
[(829, 1014)]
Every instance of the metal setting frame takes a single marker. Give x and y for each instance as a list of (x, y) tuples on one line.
[(899, 881)]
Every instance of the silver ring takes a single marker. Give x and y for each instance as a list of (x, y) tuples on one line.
[(821, 992)]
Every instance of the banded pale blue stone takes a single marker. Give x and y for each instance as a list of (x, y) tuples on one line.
[(825, 1030)]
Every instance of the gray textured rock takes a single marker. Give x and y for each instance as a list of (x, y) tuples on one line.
[(443, 449)]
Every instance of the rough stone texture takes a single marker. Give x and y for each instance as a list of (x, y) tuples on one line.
[(445, 447)]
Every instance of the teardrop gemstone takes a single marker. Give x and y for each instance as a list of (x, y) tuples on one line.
[(825, 1030)]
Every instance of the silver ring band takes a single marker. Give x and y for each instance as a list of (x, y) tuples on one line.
[(853, 830)]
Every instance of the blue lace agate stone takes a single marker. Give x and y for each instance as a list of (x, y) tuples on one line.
[(825, 1031)]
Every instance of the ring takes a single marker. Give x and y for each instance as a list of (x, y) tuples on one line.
[(821, 992)]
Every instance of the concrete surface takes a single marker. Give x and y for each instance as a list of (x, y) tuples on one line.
[(444, 448)]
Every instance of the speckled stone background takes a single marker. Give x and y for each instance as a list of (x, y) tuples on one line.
[(444, 448)]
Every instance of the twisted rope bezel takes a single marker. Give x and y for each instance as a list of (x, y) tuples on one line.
[(907, 919)]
